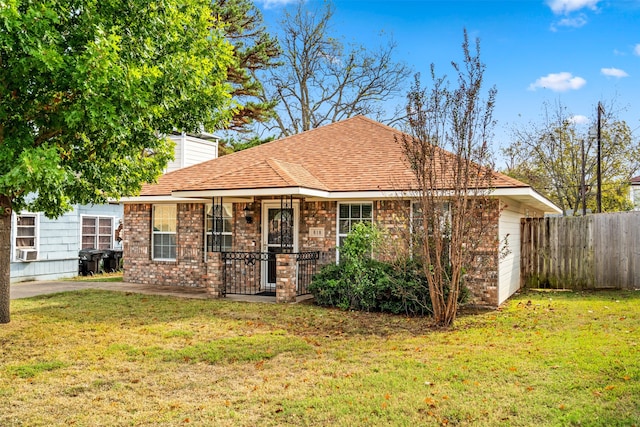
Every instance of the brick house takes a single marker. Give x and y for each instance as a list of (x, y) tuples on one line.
[(260, 221)]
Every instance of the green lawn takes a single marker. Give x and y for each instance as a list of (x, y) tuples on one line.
[(96, 358), (103, 277)]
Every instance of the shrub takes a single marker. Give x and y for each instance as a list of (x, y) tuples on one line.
[(380, 287), (359, 282)]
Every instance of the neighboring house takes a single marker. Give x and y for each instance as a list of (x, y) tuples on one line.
[(47, 249), (258, 220), (192, 149), (634, 190)]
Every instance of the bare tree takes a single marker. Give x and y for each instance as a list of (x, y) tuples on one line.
[(321, 81), (451, 162), (554, 154)]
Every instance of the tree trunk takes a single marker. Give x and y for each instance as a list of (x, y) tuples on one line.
[(5, 257)]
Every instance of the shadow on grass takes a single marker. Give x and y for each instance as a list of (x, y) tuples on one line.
[(129, 309), (126, 309)]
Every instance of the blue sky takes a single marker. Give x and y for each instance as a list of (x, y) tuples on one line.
[(575, 51)]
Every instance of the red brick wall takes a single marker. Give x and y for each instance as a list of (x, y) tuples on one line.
[(187, 270), (190, 268), (286, 278), (320, 215), (246, 237), (393, 217), (482, 279)]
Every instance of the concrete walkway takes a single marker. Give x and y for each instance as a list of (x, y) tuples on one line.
[(32, 289)]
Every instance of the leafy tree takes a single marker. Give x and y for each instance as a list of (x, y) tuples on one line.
[(87, 88), (231, 145), (548, 156), (451, 162), (322, 81), (254, 51)]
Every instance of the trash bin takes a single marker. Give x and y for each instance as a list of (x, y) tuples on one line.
[(89, 261), (111, 260)]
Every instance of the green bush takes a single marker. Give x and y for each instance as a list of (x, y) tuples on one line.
[(380, 287), (359, 282)]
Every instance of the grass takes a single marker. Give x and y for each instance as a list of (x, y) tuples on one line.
[(96, 358), (102, 277)]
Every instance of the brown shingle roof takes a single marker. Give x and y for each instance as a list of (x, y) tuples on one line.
[(357, 154)]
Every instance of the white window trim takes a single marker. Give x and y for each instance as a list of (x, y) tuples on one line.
[(412, 221), (225, 233), (14, 228), (351, 202), (446, 219), (98, 217), (153, 233)]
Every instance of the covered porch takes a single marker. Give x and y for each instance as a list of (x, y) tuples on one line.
[(274, 261), (266, 246)]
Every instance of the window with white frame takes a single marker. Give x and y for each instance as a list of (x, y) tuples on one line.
[(218, 226), (163, 237), (97, 232), (417, 224), (26, 234), (417, 215), (350, 214)]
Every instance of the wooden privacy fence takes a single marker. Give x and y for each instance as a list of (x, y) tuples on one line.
[(590, 252)]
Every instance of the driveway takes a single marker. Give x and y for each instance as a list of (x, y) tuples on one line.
[(32, 289)]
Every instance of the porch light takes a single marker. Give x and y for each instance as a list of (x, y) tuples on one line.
[(247, 214)]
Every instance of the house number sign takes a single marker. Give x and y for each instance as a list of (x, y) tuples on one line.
[(316, 232)]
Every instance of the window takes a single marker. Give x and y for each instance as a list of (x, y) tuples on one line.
[(163, 239), (350, 214), (26, 235), (97, 232), (417, 230), (417, 216), (218, 223)]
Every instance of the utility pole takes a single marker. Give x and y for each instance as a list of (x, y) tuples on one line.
[(599, 171), (583, 188)]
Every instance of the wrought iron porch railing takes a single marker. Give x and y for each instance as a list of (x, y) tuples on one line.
[(307, 266), (255, 273)]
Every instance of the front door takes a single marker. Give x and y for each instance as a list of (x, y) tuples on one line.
[(279, 234)]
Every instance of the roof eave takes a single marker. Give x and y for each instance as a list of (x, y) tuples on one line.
[(529, 196), (252, 192), (525, 195), (168, 198)]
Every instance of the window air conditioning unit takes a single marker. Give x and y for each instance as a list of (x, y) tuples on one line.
[(27, 254)]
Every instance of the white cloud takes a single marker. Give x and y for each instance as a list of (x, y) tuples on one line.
[(636, 49), (614, 72), (577, 22), (558, 82), (560, 7), (271, 4), (579, 119)]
